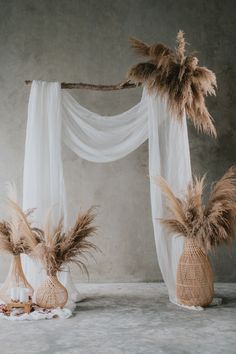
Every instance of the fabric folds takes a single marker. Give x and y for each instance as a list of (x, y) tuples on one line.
[(99, 138)]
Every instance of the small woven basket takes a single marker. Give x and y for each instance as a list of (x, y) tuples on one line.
[(51, 293), (194, 283), (15, 278)]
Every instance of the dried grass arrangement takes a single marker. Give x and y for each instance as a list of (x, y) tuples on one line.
[(177, 76), (56, 248), (204, 227), (16, 237)]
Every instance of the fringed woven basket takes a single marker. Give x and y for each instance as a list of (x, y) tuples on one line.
[(51, 293), (14, 279), (194, 285)]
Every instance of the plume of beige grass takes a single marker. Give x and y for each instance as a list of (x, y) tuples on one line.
[(211, 224), (16, 234), (177, 76), (57, 247)]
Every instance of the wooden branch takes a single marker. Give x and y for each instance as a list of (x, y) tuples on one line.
[(84, 86)]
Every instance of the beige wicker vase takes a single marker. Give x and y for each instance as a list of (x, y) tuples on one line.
[(51, 293), (14, 279), (194, 284)]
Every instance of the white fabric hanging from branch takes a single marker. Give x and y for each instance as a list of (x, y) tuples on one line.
[(43, 181), (169, 157), (102, 139), (99, 138)]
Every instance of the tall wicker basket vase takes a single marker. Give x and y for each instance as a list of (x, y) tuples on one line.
[(194, 284), (14, 279), (51, 293)]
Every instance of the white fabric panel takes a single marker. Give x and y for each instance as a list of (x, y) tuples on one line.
[(43, 181), (169, 157), (99, 138), (102, 139), (43, 185)]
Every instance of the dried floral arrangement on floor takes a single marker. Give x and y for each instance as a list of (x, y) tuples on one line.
[(36, 313), (53, 247), (204, 227), (16, 238), (57, 247), (177, 76)]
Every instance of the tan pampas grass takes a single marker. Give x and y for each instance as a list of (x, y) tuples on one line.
[(177, 76), (16, 234), (209, 225), (57, 247)]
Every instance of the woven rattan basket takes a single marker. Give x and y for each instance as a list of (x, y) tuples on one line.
[(51, 293), (14, 279), (194, 284)]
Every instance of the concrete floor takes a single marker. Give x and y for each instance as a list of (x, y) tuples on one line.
[(130, 319)]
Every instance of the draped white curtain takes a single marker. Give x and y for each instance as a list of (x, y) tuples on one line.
[(54, 115)]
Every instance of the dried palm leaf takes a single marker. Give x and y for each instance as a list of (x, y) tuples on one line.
[(156, 51), (179, 78), (210, 225), (58, 247)]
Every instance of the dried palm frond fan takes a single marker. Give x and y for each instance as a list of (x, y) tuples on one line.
[(16, 237), (179, 78), (204, 228), (56, 248)]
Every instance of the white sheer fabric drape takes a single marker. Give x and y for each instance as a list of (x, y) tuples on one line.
[(102, 139), (43, 181), (169, 157), (98, 138)]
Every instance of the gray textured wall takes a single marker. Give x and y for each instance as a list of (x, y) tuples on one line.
[(74, 40)]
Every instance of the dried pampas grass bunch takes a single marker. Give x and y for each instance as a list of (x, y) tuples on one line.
[(57, 247), (209, 225), (177, 76), (16, 234)]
